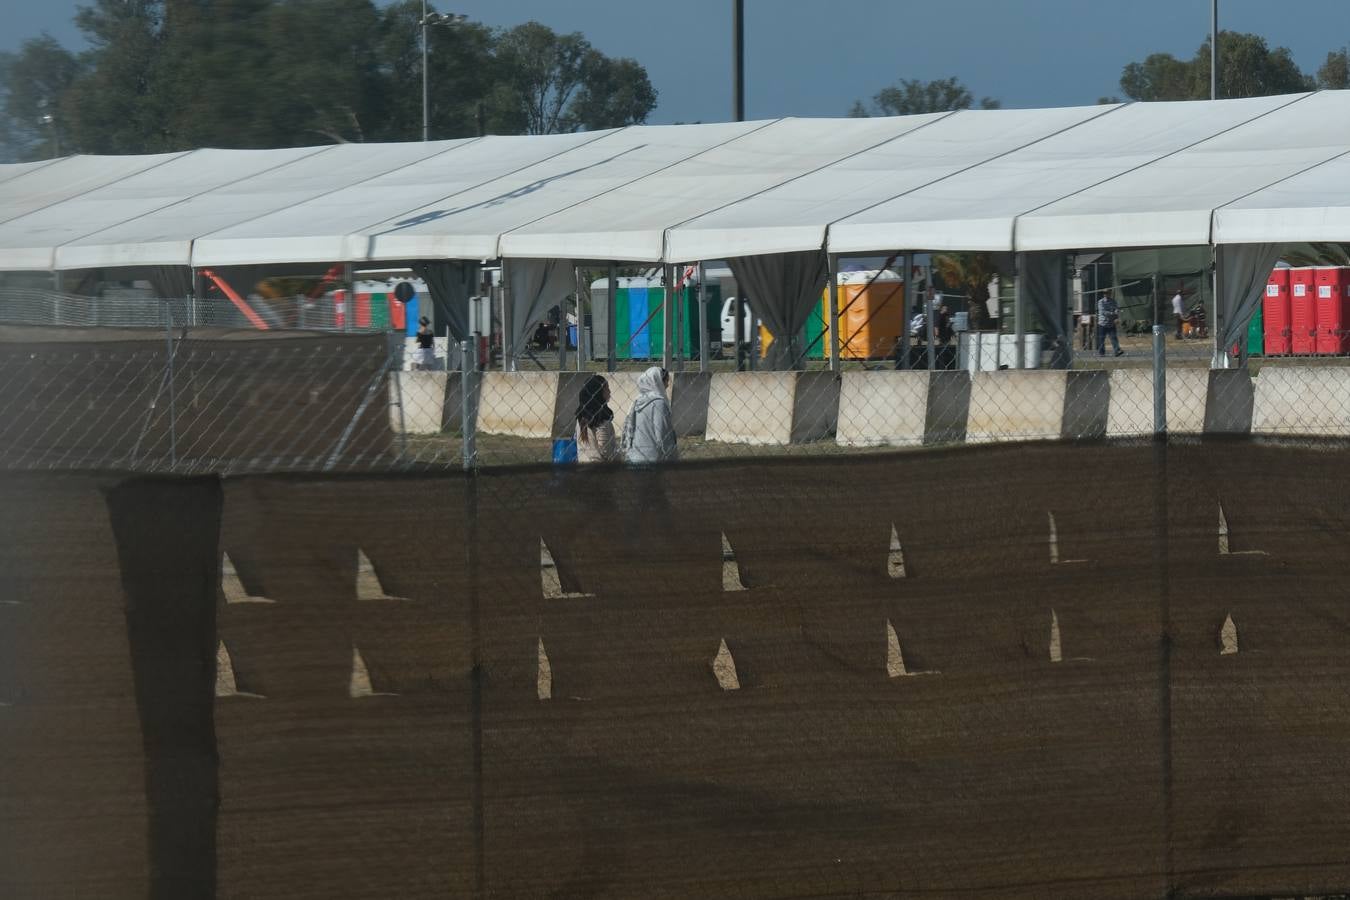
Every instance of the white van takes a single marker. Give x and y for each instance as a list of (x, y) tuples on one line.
[(729, 322)]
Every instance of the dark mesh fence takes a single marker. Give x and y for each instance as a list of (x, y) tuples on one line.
[(1036, 671)]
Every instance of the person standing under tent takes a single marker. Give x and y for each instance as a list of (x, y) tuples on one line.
[(595, 423), (426, 345), (1178, 310), (649, 429), (1108, 317)]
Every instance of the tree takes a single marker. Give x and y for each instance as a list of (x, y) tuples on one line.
[(1247, 68), (911, 97), (970, 273), (614, 92), (1334, 75), (35, 80), (164, 75), (550, 82)]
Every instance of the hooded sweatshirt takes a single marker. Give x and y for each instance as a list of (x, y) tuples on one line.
[(648, 433)]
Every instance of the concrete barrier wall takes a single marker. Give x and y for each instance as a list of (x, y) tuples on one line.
[(421, 396), (1302, 401), (882, 409), (518, 403), (1131, 411), (1016, 406), (751, 407)]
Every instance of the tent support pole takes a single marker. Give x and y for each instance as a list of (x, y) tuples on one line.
[(1217, 325), (611, 319), (1019, 319), (349, 286), (562, 328), (832, 285), (508, 338), (929, 318), (581, 331), (703, 336), (668, 318), (907, 303)]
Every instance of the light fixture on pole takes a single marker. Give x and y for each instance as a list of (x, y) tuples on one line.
[(49, 120), (432, 19)]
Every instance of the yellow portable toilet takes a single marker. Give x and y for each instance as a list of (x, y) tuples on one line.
[(871, 317), (871, 313)]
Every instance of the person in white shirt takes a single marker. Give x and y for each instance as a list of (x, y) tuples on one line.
[(1178, 310)]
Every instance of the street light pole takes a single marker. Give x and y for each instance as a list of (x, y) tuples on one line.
[(1214, 49), (426, 96), (431, 18)]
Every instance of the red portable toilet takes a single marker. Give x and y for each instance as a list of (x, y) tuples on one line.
[(1275, 314), (1302, 311), (1330, 283)]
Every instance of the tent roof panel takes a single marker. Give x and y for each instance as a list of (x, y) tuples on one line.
[(319, 229), (976, 209), (14, 170), (469, 224), (639, 213), (1194, 181), (940, 147), (1313, 205), (29, 241), (310, 174), (41, 187)]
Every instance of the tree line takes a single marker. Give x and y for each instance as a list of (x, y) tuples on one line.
[(167, 75), (1248, 67)]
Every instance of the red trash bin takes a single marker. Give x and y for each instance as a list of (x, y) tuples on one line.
[(1303, 311), (1275, 322), (1330, 283)]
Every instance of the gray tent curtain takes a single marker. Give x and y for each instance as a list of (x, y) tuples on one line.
[(170, 282), (451, 283), (783, 288), (534, 286), (1045, 279), (1243, 270)]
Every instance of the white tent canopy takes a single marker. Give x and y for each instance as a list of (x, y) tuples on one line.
[(1136, 175)]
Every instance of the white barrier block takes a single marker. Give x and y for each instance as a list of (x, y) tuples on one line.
[(751, 407), (623, 392), (1302, 400), (423, 401), (1131, 411), (518, 403), (1016, 405), (882, 409)]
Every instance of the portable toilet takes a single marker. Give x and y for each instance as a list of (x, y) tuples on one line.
[(1254, 333), (871, 313), (1275, 314), (1331, 287), (1302, 311), (639, 318)]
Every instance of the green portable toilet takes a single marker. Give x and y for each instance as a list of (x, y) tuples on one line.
[(640, 322), (1255, 334)]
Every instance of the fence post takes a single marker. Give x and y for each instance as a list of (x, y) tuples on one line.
[(468, 419), (394, 362), (1159, 381), (832, 273), (173, 406)]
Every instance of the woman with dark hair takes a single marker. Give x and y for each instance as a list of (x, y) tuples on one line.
[(595, 423)]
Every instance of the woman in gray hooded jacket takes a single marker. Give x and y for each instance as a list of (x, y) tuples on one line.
[(648, 432)]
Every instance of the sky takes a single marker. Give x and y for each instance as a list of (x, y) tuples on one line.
[(808, 58)]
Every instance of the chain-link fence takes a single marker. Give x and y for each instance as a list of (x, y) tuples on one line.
[(186, 397)]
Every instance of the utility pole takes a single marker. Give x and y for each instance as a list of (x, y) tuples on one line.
[(738, 54)]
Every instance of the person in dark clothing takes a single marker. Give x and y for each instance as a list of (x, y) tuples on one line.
[(426, 345)]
